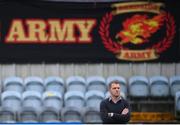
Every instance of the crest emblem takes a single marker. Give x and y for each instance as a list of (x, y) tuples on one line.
[(135, 38)]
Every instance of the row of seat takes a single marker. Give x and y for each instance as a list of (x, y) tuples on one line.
[(49, 114), (177, 102), (33, 111), (51, 99), (32, 100), (137, 86), (54, 99)]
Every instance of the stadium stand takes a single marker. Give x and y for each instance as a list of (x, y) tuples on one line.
[(72, 114), (159, 86), (71, 92), (54, 83), (50, 115), (32, 99), (174, 84), (82, 106), (93, 98), (96, 83), (7, 115), (13, 84), (138, 87), (91, 115), (11, 99), (52, 99), (76, 83), (74, 99), (34, 83), (177, 105), (28, 114)]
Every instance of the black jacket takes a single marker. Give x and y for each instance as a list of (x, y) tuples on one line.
[(108, 106)]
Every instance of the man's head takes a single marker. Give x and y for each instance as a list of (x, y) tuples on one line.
[(114, 88)]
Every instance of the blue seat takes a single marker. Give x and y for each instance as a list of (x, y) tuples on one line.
[(13, 84), (7, 115), (76, 83), (92, 115), (174, 85), (96, 83), (72, 114), (122, 80), (138, 86), (34, 83), (49, 114), (177, 101), (11, 99), (52, 99), (74, 99), (54, 83), (93, 98), (28, 114), (159, 86), (32, 99)]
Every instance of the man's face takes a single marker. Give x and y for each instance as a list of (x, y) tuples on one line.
[(115, 90)]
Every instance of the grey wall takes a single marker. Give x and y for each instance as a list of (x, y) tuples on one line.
[(65, 70)]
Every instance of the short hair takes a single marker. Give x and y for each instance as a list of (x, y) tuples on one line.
[(113, 82)]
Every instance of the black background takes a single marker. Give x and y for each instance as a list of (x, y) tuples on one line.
[(71, 53)]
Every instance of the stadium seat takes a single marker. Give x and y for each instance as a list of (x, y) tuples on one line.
[(28, 115), (52, 99), (50, 115), (122, 81), (96, 83), (174, 85), (93, 98), (32, 99), (13, 84), (138, 86), (7, 115), (177, 101), (34, 83), (74, 99), (76, 83), (71, 114), (159, 86), (91, 115), (54, 83), (11, 99)]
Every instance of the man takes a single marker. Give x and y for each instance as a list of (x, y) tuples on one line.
[(115, 109)]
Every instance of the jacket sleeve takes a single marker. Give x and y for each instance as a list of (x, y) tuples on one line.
[(104, 113), (121, 117)]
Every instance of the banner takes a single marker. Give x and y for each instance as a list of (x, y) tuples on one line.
[(66, 32)]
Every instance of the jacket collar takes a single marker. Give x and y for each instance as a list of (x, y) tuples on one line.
[(119, 98)]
